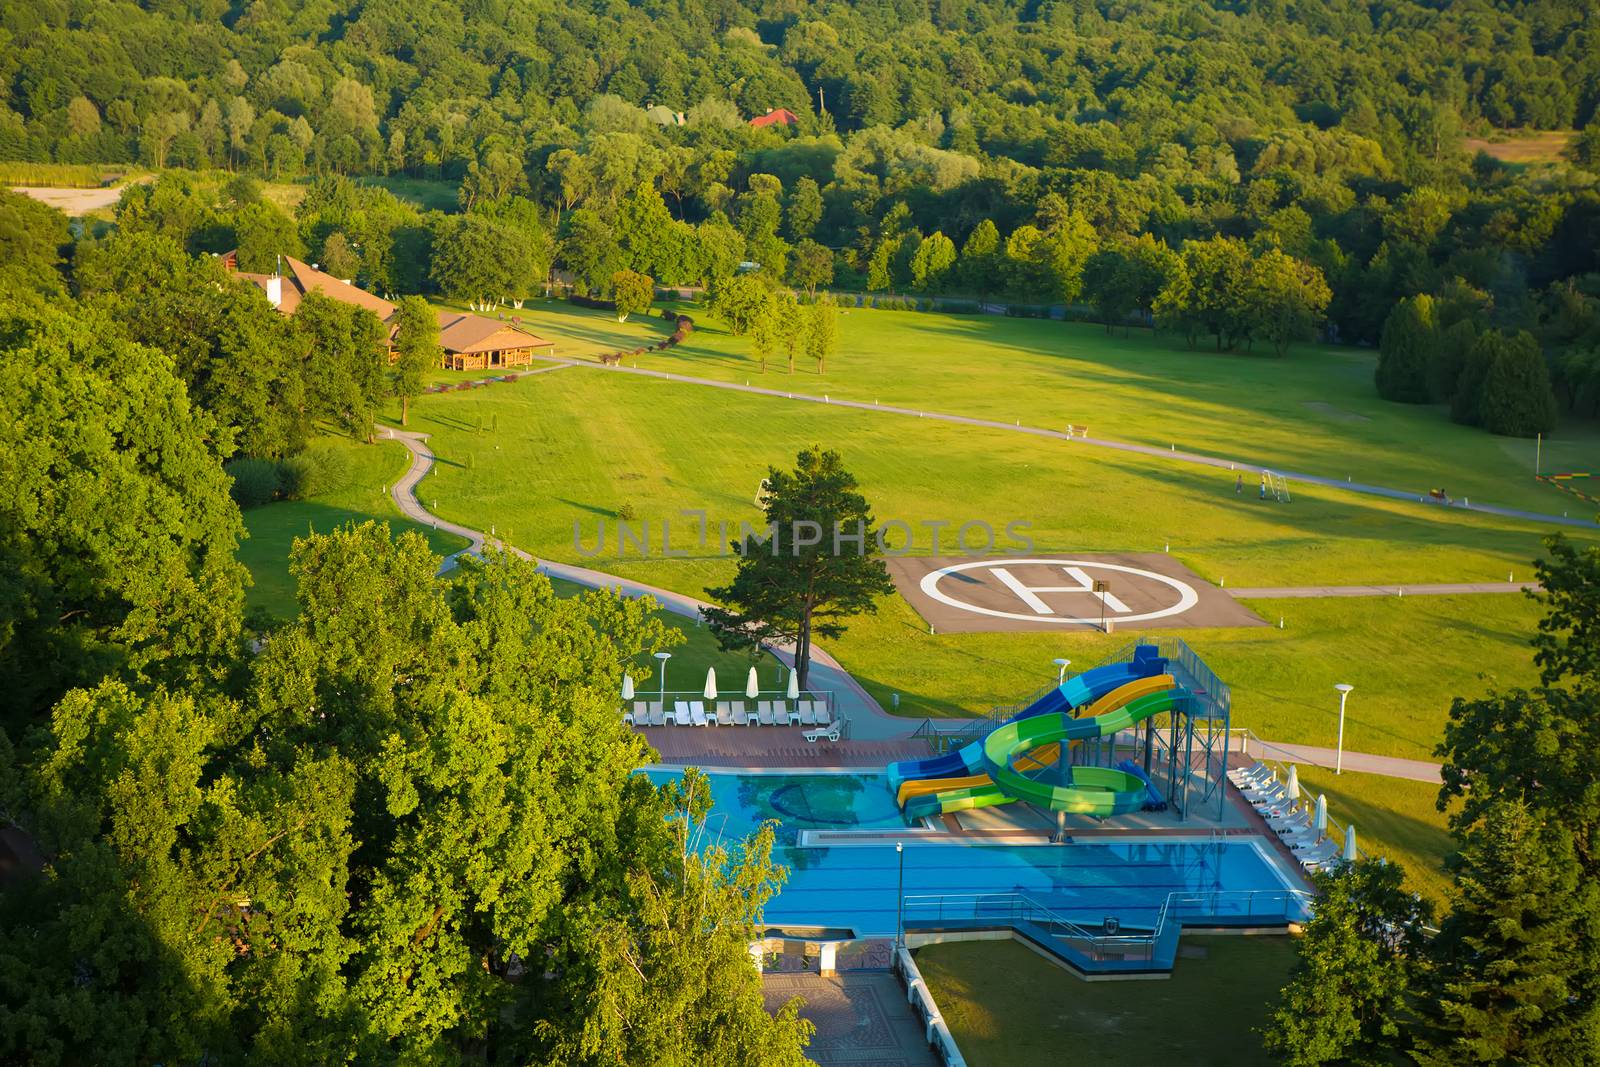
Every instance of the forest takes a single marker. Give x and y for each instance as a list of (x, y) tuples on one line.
[(1042, 153)]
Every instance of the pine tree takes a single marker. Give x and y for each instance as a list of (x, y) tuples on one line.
[(1407, 350), (1505, 981), (1515, 398)]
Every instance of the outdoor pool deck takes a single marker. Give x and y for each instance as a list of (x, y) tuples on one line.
[(772, 746)]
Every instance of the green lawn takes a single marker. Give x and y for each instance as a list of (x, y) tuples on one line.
[(429, 194), (1315, 410), (370, 470), (1009, 1007), (1394, 818)]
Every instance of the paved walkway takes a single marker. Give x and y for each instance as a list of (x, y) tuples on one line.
[(868, 721), (1439, 589), (861, 1017), (1388, 766), (1099, 442)]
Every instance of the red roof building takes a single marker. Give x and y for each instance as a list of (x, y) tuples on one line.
[(775, 117)]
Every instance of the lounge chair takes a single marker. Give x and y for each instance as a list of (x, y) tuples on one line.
[(724, 714), (781, 714), (631, 716), (657, 713), (680, 713), (820, 707), (764, 713), (818, 734), (807, 716), (737, 714), (697, 713)]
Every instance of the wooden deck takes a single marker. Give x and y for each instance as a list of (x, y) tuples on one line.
[(771, 746)]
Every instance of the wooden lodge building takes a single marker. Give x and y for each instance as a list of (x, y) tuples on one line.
[(470, 342)]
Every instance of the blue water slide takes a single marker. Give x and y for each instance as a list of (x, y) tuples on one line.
[(1154, 801), (1074, 693)]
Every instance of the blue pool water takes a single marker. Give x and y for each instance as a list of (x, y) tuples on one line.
[(856, 886)]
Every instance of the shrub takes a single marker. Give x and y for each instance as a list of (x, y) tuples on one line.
[(318, 470), (627, 513), (255, 481)]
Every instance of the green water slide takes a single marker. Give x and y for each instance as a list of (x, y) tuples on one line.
[(1098, 791)]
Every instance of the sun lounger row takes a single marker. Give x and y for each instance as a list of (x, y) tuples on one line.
[(813, 713), (1260, 786)]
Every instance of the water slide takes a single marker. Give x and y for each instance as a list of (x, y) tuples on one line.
[(1033, 742), (1077, 692)]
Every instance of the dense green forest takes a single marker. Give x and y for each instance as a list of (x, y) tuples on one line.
[(1044, 153)]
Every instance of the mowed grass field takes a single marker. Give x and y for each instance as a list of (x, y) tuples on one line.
[(549, 461), (369, 471), (1314, 411), (1007, 1006)]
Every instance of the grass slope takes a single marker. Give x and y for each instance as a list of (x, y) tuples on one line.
[(1009, 1007), (370, 470), (1394, 818), (1314, 411)]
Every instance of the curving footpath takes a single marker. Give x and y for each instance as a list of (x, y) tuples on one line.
[(868, 721)]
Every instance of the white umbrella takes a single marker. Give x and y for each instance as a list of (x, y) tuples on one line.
[(627, 687), (752, 688), (794, 684), (1292, 787), (711, 683), (1319, 821), (1350, 843)]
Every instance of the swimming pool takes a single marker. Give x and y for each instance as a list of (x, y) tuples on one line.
[(858, 885)]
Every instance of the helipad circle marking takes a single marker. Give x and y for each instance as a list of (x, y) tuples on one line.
[(1187, 597)]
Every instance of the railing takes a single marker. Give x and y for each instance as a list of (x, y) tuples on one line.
[(934, 1028), (654, 696), (1013, 908)]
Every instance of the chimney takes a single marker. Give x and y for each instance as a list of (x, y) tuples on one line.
[(275, 291)]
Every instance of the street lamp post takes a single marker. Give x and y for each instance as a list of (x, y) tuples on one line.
[(1338, 759), (1061, 670), (663, 657), (900, 897)]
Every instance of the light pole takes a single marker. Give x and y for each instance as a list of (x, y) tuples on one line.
[(900, 897), (663, 657), (1061, 670), (1338, 759)]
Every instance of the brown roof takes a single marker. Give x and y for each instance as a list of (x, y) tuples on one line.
[(782, 116), (459, 331)]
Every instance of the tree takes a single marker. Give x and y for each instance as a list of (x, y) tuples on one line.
[(32, 237), (1064, 250), (1408, 351), (880, 268), (931, 264), (1128, 277), (117, 533), (416, 350), (338, 258), (821, 331), (804, 210), (1516, 399), (788, 323), (590, 250), (644, 229), (631, 292), (345, 370), (1213, 297), (741, 301), (1347, 997), (811, 265), (819, 568), (480, 262), (1509, 978), (262, 233), (979, 258), (1285, 299), (1567, 645)]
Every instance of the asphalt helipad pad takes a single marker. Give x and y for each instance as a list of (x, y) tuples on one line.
[(1131, 591)]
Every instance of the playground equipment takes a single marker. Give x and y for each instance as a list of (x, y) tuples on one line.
[(1057, 752)]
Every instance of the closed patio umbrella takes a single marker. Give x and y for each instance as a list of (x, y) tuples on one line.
[(752, 688), (1350, 843), (627, 687), (794, 684), (1292, 786), (1319, 821), (711, 683)]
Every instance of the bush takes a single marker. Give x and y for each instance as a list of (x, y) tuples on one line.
[(627, 513), (255, 481), (318, 470)]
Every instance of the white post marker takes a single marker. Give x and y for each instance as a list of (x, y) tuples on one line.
[(1338, 760)]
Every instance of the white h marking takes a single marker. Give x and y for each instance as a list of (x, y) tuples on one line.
[(1028, 594)]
